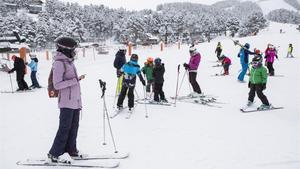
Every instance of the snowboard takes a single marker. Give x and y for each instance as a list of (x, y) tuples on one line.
[(85, 164)]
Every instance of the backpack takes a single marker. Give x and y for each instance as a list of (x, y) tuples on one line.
[(52, 92)]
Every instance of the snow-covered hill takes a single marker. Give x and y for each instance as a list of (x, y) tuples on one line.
[(269, 5), (187, 136)]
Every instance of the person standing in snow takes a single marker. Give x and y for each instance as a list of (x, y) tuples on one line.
[(66, 81), (290, 51), (158, 77), (226, 62), (192, 67), (19, 67), (244, 60), (33, 66), (218, 50), (257, 82), (130, 70), (120, 60), (148, 71), (270, 57)]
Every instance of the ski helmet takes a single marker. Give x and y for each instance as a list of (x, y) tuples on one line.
[(157, 61), (192, 49), (247, 45), (66, 43), (134, 57), (150, 60), (257, 51), (257, 61)]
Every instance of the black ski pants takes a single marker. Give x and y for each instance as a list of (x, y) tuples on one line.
[(149, 86), (270, 68), (258, 88), (123, 94), (21, 82), (65, 139), (194, 83), (158, 92)]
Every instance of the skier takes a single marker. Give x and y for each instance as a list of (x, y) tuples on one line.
[(290, 50), (33, 66), (257, 82), (244, 60), (65, 80), (19, 67), (148, 71), (192, 67), (218, 50), (120, 60), (158, 76), (226, 62), (130, 70), (270, 55)]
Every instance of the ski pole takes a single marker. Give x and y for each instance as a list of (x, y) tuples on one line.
[(117, 91), (146, 111), (11, 85), (188, 75), (182, 81), (176, 94), (105, 112)]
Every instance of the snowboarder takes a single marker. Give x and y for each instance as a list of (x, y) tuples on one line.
[(33, 66), (257, 82), (120, 60), (218, 50), (192, 67), (19, 67), (130, 70), (158, 77), (226, 62), (270, 55), (66, 81), (290, 51), (148, 71), (244, 60)]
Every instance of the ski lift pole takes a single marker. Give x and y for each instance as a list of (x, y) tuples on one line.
[(105, 114), (176, 92)]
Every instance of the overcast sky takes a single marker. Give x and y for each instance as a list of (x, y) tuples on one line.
[(136, 4)]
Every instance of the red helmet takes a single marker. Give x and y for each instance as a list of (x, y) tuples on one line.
[(257, 51), (150, 60), (13, 57)]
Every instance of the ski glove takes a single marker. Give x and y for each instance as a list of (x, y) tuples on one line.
[(264, 86), (143, 82), (186, 66), (119, 73), (249, 84), (10, 71)]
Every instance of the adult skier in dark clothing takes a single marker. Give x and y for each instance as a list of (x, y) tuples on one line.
[(218, 50), (19, 67), (158, 78), (119, 61)]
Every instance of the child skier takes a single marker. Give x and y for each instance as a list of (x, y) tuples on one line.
[(226, 62), (270, 55), (257, 82), (130, 70), (218, 50), (33, 66), (192, 67), (148, 71), (290, 50), (158, 78)]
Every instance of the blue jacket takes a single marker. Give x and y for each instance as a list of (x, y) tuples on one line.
[(130, 70), (33, 66), (244, 55)]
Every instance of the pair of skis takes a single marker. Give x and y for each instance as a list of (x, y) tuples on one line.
[(248, 109), (206, 100), (83, 162), (118, 111)]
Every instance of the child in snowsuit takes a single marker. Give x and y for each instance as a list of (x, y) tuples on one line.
[(148, 71), (130, 70), (290, 50), (257, 82), (33, 66), (226, 62), (158, 77), (218, 50), (192, 67), (244, 60), (270, 57)]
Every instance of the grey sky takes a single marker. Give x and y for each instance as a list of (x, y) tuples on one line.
[(136, 4)]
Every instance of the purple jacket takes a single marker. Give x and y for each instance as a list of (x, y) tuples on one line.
[(65, 80), (194, 62), (270, 54)]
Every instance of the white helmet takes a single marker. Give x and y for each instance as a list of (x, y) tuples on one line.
[(192, 49)]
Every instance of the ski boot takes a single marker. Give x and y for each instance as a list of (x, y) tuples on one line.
[(54, 159), (77, 155), (249, 103), (264, 107)]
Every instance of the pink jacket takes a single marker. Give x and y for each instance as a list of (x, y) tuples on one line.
[(270, 55)]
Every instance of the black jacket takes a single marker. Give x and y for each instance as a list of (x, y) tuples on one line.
[(120, 59), (158, 73), (19, 66)]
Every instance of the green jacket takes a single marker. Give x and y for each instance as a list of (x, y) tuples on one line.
[(258, 75), (148, 70)]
